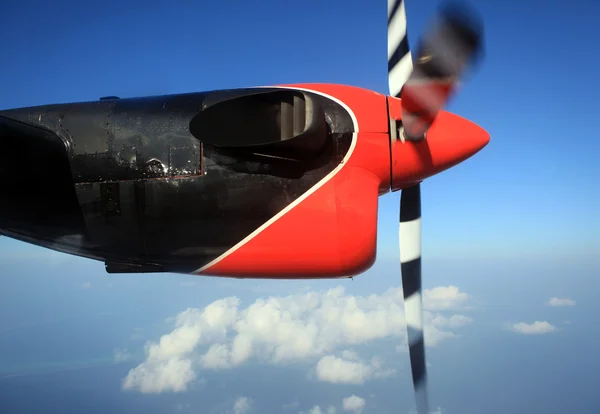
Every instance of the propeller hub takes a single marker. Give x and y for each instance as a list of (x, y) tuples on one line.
[(449, 141)]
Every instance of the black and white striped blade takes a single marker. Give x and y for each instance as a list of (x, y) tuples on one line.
[(400, 63), (410, 266)]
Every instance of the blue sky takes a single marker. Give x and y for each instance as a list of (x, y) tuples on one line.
[(510, 228)]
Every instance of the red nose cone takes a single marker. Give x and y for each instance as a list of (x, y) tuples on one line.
[(450, 140)]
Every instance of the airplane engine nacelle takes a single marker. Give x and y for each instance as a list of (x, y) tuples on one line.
[(331, 230), (276, 182)]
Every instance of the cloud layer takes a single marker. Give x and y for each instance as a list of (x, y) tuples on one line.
[(314, 326), (353, 404), (560, 302), (241, 405), (535, 328), (350, 370), (318, 410)]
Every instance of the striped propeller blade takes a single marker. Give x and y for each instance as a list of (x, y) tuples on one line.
[(400, 67), (400, 63), (424, 85), (410, 266)]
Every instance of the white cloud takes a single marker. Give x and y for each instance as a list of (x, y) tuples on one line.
[(241, 405), (86, 285), (173, 374), (534, 328), (350, 371), (354, 404), (444, 298), (318, 410), (338, 370), (350, 355), (560, 302), (302, 327)]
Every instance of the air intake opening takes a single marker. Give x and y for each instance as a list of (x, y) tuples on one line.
[(286, 123)]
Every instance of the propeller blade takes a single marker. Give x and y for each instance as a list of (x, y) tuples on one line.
[(452, 45), (442, 57), (400, 67), (400, 63), (410, 266)]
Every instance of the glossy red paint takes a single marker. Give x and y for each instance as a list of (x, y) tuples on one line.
[(332, 231), (450, 140)]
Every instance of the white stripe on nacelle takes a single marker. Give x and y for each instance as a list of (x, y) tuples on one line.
[(400, 74), (410, 240), (413, 313), (396, 30)]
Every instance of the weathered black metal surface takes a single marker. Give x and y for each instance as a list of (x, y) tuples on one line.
[(125, 181)]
